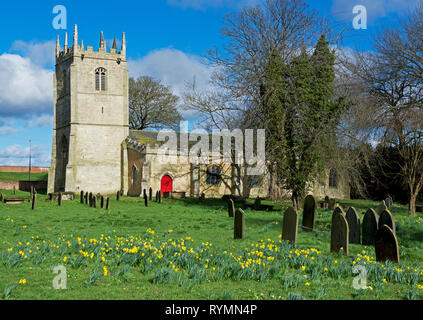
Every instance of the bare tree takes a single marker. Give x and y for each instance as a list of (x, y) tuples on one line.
[(395, 114)]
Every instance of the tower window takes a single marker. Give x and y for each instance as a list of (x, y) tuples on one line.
[(100, 79), (213, 175)]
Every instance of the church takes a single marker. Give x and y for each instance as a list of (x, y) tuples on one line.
[(94, 150)]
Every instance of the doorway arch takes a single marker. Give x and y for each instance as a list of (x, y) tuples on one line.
[(166, 184)]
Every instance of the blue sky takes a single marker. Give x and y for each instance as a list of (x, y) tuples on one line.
[(165, 40)]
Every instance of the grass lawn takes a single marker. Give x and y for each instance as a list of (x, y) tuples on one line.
[(184, 249), (23, 176)]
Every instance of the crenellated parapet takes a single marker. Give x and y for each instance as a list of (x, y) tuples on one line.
[(78, 50)]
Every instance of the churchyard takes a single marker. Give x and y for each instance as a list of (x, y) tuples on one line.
[(185, 249)]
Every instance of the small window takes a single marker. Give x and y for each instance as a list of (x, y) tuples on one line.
[(213, 176), (100, 79), (333, 178)]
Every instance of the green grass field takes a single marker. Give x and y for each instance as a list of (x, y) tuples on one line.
[(184, 249), (23, 176)]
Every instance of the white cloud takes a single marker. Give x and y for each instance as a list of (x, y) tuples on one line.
[(343, 9), (8, 131), (174, 69), (18, 155), (25, 88), (41, 121), (40, 53)]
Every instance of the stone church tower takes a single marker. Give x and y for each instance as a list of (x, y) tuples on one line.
[(90, 118)]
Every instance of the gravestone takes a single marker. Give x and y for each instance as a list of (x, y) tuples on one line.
[(102, 202), (239, 223), (386, 245), (339, 210), (94, 201), (370, 226), (331, 204), (34, 198), (14, 190), (382, 207), (1, 197), (309, 213), (231, 208), (91, 199), (118, 196), (107, 203), (86, 198), (150, 194), (353, 220), (157, 196), (387, 218), (389, 202), (290, 226), (202, 197), (81, 200), (339, 234), (59, 199), (144, 193), (160, 196), (146, 200), (257, 204)]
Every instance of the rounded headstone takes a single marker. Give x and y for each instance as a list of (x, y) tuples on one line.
[(339, 237), (386, 245), (309, 213), (353, 220), (369, 228), (387, 218), (290, 226)]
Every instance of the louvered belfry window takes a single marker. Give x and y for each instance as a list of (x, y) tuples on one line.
[(100, 79)]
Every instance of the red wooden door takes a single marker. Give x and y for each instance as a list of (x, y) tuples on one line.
[(167, 184)]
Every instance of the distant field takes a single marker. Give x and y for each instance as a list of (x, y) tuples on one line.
[(23, 176)]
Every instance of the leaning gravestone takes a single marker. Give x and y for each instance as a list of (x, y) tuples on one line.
[(309, 213), (34, 199), (107, 203), (86, 198), (231, 208), (339, 235), (386, 245), (290, 226), (353, 220), (239, 223), (387, 218), (370, 226), (81, 200), (382, 207)]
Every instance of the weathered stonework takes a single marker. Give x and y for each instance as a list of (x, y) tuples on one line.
[(90, 124)]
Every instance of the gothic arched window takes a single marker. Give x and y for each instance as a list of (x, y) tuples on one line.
[(333, 178), (100, 79)]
